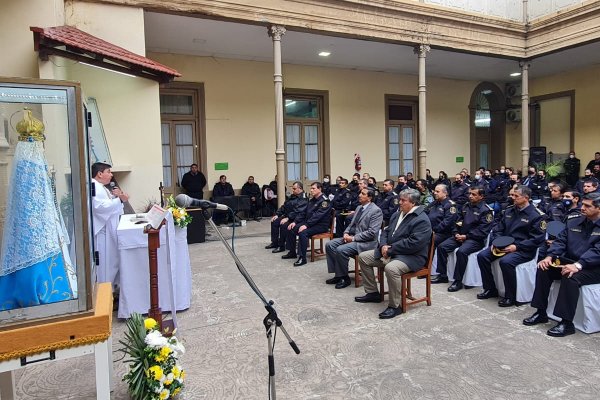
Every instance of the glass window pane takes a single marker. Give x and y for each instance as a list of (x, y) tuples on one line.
[(400, 112), (299, 108), (312, 171), (176, 104), (164, 133), (394, 134), (185, 157), (482, 118), (407, 151), (167, 176), (311, 134), (184, 133), (293, 170), (292, 133), (394, 152), (394, 167), (166, 154), (293, 152), (408, 165), (312, 153), (483, 155), (407, 134)]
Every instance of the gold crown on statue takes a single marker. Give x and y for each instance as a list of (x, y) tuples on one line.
[(30, 128)]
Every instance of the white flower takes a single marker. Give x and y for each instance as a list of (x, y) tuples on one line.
[(176, 346), (156, 340), (159, 389)]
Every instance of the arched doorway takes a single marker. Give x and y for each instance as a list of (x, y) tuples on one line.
[(487, 123)]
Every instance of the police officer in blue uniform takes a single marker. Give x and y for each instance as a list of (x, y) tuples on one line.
[(341, 204), (469, 235), (388, 202), (459, 192), (574, 258), (442, 214), (285, 215), (527, 226), (554, 208), (316, 219)]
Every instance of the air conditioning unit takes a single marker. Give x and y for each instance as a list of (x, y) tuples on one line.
[(513, 115), (513, 90)]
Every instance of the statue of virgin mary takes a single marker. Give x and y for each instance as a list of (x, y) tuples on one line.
[(33, 262)]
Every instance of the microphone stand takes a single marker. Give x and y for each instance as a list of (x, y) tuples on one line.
[(271, 320)]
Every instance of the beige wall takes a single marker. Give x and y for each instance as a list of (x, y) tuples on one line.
[(16, 40), (240, 104), (555, 124), (586, 83)]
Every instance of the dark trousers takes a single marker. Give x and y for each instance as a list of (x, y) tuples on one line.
[(465, 249), (341, 221), (303, 237), (279, 232), (508, 265), (568, 295)]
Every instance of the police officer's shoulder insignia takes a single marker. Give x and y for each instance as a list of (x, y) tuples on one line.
[(452, 210), (489, 217), (451, 201), (543, 225), (574, 216), (324, 204), (396, 202), (539, 211), (489, 207)]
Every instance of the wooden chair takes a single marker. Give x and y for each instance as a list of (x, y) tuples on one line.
[(357, 276), (406, 281), (320, 252)]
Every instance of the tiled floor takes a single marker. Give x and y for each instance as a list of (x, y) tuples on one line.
[(459, 348)]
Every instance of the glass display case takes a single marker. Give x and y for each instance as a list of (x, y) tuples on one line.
[(46, 254)]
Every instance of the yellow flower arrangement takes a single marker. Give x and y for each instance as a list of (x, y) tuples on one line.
[(154, 369), (181, 218)]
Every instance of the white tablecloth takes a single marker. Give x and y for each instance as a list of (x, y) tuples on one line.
[(174, 272)]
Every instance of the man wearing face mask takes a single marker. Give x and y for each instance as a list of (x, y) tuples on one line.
[(587, 177), (539, 186), (526, 180), (326, 185), (571, 202), (459, 191), (572, 166)]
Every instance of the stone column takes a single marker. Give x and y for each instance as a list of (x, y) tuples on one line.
[(421, 51), (524, 114), (276, 32)]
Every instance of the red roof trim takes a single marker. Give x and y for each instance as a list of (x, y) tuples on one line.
[(77, 42)]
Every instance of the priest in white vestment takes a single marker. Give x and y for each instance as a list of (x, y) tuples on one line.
[(107, 207)]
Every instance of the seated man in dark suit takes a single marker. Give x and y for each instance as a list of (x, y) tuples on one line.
[(316, 219), (527, 226), (359, 236), (252, 190), (578, 247), (403, 248), (221, 188)]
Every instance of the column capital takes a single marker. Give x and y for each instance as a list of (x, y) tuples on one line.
[(422, 50), (276, 31), (524, 64)]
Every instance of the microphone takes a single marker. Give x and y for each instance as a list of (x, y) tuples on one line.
[(183, 200)]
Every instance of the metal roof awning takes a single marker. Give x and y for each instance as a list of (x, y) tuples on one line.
[(70, 42)]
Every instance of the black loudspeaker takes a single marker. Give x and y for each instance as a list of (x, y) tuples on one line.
[(537, 155)]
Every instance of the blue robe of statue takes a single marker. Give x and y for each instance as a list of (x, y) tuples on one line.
[(33, 265)]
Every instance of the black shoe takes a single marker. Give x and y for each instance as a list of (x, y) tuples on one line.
[(333, 280), (455, 287), (271, 246), (278, 250), (390, 312), (563, 328), (537, 318), (506, 302), (300, 261), (439, 279), (487, 294), (345, 282), (369, 298), (289, 256), (468, 287)]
